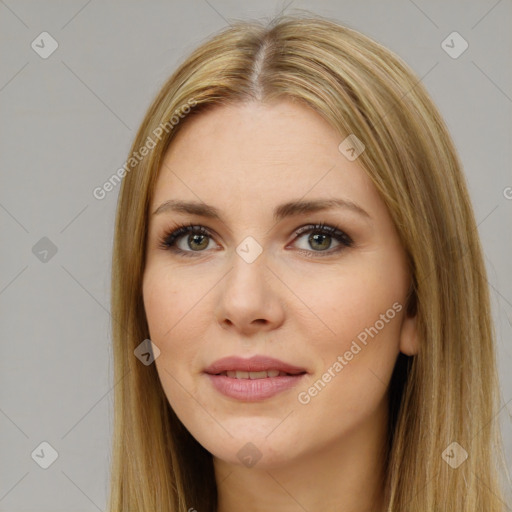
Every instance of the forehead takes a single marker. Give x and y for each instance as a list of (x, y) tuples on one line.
[(257, 154)]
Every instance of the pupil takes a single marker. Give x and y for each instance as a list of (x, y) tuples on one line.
[(315, 238), (194, 239)]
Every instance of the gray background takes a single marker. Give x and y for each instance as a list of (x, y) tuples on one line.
[(66, 126)]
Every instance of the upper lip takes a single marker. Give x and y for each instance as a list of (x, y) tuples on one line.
[(252, 364)]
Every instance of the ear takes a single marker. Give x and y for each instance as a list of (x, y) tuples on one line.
[(409, 342)]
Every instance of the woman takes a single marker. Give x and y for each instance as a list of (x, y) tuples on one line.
[(295, 237)]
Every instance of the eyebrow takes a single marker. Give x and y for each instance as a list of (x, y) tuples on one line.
[(289, 209)]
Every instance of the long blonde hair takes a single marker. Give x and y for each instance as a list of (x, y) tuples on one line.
[(448, 392)]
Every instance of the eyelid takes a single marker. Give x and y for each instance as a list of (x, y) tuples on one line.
[(171, 235), (325, 228)]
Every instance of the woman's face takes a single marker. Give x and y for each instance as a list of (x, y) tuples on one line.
[(329, 303)]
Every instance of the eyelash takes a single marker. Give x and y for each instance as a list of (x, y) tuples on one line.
[(169, 239)]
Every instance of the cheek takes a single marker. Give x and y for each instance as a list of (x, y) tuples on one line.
[(167, 303), (361, 314), (168, 314), (173, 312), (163, 313), (345, 305)]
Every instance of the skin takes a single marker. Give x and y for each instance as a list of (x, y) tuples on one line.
[(245, 159)]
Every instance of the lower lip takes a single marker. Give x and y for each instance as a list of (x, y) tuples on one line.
[(252, 390)]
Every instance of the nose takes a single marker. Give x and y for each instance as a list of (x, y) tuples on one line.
[(250, 297)]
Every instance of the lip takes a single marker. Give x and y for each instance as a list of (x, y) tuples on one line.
[(249, 390), (252, 364), (252, 390)]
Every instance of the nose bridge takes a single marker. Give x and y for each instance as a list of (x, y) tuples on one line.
[(249, 265), (249, 250), (247, 298)]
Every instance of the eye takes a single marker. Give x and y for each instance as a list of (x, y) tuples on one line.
[(199, 238), (320, 238)]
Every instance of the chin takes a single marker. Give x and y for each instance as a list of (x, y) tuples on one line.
[(253, 451), (253, 456)]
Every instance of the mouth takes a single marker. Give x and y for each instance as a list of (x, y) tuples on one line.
[(265, 374), (255, 379)]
